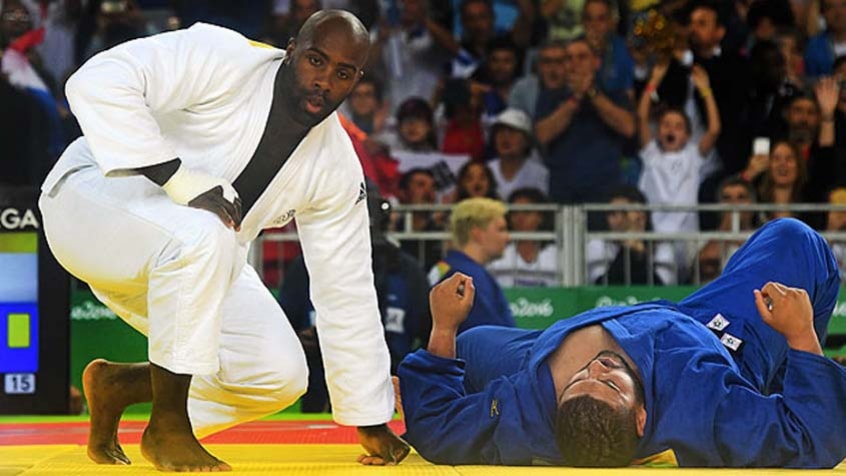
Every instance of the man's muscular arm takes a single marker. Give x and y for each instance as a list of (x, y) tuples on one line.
[(450, 302)]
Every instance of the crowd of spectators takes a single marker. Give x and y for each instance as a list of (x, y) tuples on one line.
[(527, 101)]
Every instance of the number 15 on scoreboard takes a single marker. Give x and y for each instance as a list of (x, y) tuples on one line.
[(19, 384)]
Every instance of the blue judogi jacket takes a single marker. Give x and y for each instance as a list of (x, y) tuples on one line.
[(713, 406)]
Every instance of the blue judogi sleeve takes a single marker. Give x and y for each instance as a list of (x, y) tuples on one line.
[(508, 423)]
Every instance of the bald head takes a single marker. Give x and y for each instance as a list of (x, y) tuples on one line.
[(339, 22), (323, 64)]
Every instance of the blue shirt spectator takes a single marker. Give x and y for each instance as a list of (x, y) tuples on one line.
[(581, 128), (617, 71), (819, 55), (584, 160), (825, 47)]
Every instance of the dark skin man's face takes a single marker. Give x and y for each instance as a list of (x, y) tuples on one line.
[(322, 71)]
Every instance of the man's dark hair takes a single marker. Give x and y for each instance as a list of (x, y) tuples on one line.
[(590, 433), (533, 194), (583, 39), (721, 11), (415, 107), (732, 181), (838, 61), (629, 192), (805, 95), (405, 179)]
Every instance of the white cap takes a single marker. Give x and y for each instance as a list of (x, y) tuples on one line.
[(516, 119)]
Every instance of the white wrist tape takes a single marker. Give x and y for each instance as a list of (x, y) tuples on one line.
[(186, 184)]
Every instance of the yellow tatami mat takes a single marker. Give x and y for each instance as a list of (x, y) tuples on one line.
[(17, 459), (304, 460)]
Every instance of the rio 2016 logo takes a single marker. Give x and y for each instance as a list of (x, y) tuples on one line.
[(523, 307), (605, 301)]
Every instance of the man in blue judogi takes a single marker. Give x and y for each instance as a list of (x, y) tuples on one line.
[(733, 375)]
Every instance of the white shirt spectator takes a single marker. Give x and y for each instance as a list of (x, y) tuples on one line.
[(601, 253), (531, 175), (671, 178), (513, 271), (413, 63)]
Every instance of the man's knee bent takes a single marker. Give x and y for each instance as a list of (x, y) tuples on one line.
[(788, 230), (206, 230), (205, 238), (290, 383), (280, 383)]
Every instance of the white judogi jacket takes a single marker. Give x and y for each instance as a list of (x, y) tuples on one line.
[(204, 95)]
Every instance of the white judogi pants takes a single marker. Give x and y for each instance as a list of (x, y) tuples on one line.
[(179, 276)]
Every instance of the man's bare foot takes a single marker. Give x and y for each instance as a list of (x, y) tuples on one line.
[(174, 450), (109, 388)]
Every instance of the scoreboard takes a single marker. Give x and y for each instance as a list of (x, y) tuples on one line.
[(34, 312)]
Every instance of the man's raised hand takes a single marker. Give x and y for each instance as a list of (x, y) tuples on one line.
[(451, 301), (789, 311)]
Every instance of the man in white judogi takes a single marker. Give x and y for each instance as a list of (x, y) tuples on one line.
[(184, 131)]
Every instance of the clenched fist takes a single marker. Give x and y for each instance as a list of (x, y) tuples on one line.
[(789, 311)]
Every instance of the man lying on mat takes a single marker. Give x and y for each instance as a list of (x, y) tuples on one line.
[(731, 376)]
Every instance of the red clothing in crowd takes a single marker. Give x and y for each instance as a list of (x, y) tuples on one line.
[(466, 139)]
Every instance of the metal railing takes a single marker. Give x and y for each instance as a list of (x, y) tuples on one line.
[(570, 232)]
